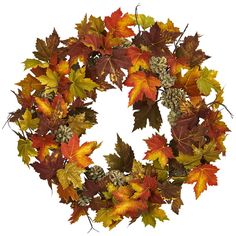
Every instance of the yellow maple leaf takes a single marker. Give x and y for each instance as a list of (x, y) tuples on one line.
[(28, 122), (50, 80), (70, 175)]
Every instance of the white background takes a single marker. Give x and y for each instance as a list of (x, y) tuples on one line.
[(27, 205)]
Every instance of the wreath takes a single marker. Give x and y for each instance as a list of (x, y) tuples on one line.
[(163, 68)]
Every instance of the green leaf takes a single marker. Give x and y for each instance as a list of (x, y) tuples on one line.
[(71, 174), (147, 110), (32, 63), (144, 21), (80, 84), (26, 150), (189, 161), (123, 160), (207, 82)]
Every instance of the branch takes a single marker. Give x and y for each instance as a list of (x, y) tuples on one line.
[(136, 18), (223, 105), (91, 224), (180, 37)]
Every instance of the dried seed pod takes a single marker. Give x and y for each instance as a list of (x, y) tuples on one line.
[(167, 80), (84, 200), (63, 134), (158, 65), (116, 177)]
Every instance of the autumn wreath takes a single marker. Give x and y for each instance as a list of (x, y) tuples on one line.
[(163, 68)]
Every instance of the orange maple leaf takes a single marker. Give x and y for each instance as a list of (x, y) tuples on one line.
[(126, 206), (43, 143), (158, 149), (118, 24), (138, 58), (202, 175), (142, 84), (78, 154)]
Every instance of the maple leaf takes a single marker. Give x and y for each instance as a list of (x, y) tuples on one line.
[(169, 190), (70, 175), (143, 20), (188, 82), (45, 49), (186, 132), (156, 40), (50, 80), (158, 149), (112, 64), (176, 64), (28, 122), (67, 194), (80, 84), (207, 82), (147, 110), (44, 106), (138, 171), (107, 217), (118, 24), (188, 51), (26, 150), (189, 161), (154, 212), (202, 175), (44, 144), (47, 168), (138, 58), (176, 205), (123, 160), (94, 26), (144, 189), (142, 84), (63, 67), (29, 84), (79, 124), (168, 26), (78, 211), (78, 154), (33, 63)]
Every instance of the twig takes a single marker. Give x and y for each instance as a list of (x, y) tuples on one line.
[(180, 37), (223, 105), (91, 224), (136, 17)]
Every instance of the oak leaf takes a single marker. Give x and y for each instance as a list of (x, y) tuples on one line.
[(143, 85), (158, 149), (70, 175), (78, 154), (202, 175)]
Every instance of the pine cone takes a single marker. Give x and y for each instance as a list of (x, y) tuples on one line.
[(95, 173), (116, 177), (172, 97), (50, 96), (158, 65), (63, 134), (167, 80), (84, 200), (173, 116)]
